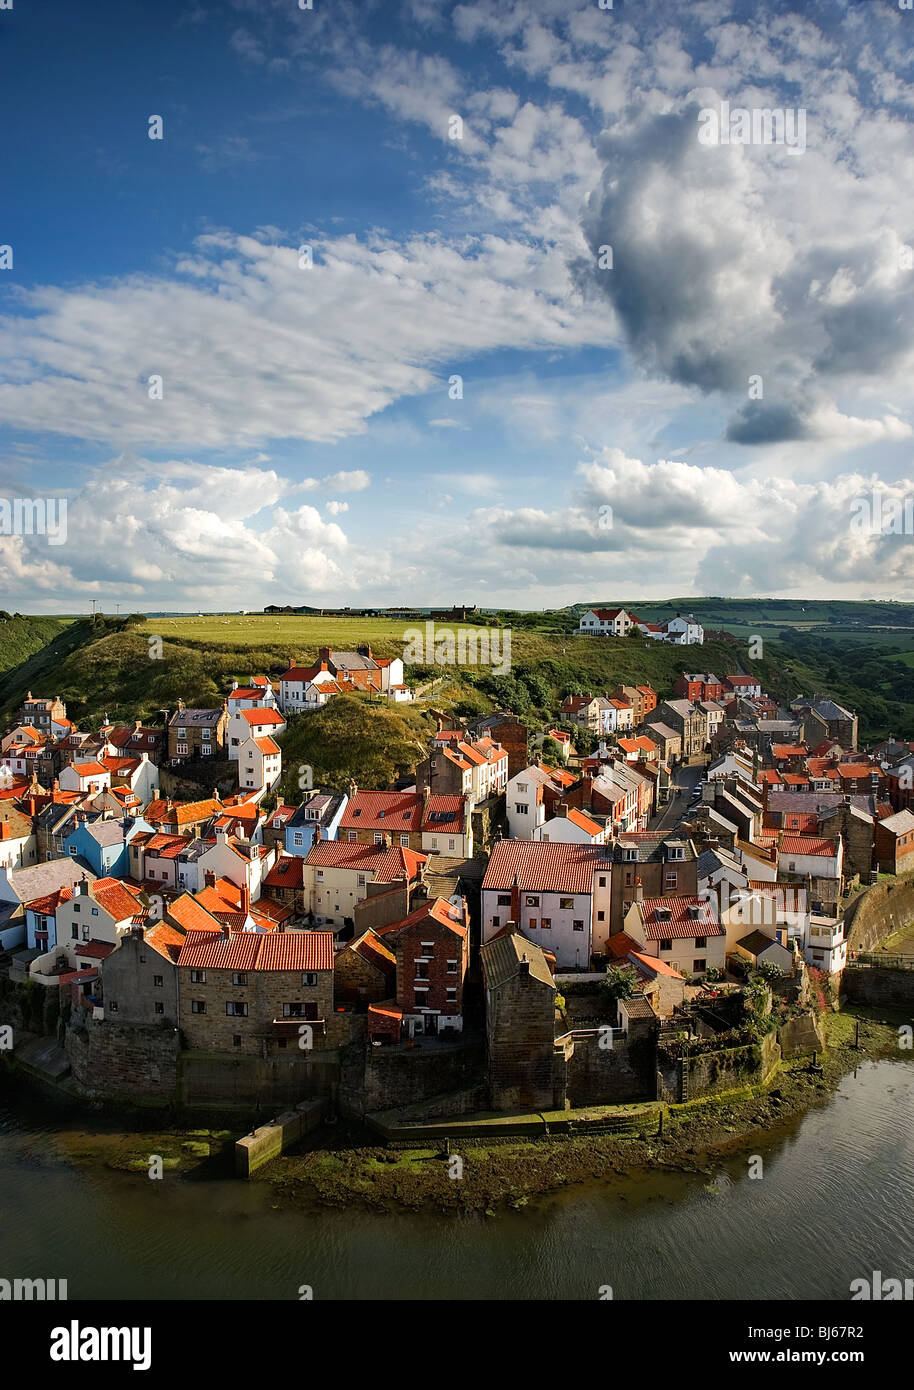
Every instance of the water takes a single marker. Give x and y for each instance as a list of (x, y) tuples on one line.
[(833, 1205)]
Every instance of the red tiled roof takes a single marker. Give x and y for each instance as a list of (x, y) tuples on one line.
[(679, 924), (287, 872), (165, 940), (543, 866), (260, 716), (388, 864), (444, 806), (298, 951), (266, 745), (394, 811), (623, 947), (808, 844), (88, 769), (191, 914), (438, 909), (114, 897)]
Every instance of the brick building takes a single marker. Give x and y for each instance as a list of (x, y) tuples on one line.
[(432, 948)]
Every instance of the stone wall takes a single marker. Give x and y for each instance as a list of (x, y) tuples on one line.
[(387, 1078), (732, 1067), (124, 1061), (29, 1007), (882, 909), (255, 1083), (800, 1036), (878, 986), (594, 1075)]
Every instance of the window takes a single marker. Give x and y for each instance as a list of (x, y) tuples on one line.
[(546, 923), (700, 943), (496, 921), (421, 970), (85, 933), (198, 1006), (73, 850), (522, 786), (236, 1008), (520, 807), (308, 980), (77, 907), (236, 1040), (699, 964), (451, 844), (198, 977), (602, 882), (566, 902), (404, 841), (378, 837), (504, 900), (298, 838), (532, 901), (353, 835), (181, 748), (240, 977), (74, 932), (112, 1007), (320, 875), (670, 879), (532, 922), (206, 735), (452, 967), (159, 1007), (666, 945), (95, 912), (450, 994), (294, 1010), (578, 926), (158, 981), (182, 733)]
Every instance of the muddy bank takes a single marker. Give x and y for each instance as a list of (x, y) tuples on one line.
[(343, 1172)]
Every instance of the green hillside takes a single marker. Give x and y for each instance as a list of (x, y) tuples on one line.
[(23, 637), (110, 665)]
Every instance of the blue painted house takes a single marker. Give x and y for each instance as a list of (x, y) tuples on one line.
[(102, 844), (323, 809)]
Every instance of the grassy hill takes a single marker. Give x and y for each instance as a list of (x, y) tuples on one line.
[(108, 665), (22, 637)]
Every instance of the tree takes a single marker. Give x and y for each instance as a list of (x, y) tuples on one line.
[(620, 982)]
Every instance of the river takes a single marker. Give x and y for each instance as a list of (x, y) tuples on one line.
[(833, 1204)]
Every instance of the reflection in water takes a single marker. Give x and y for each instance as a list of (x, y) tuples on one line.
[(832, 1205)]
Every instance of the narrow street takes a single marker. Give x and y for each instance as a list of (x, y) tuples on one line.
[(685, 778)]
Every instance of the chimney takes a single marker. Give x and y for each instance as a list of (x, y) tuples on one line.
[(234, 685), (425, 796), (318, 834), (515, 901), (209, 878), (523, 965), (639, 891), (5, 832), (245, 899)]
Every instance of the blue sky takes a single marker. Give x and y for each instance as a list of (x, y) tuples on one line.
[(307, 448)]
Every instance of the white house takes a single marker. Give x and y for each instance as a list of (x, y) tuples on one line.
[(84, 777), (610, 622), (259, 764), (557, 894), (686, 632), (257, 694), (251, 722), (572, 827), (528, 797)]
